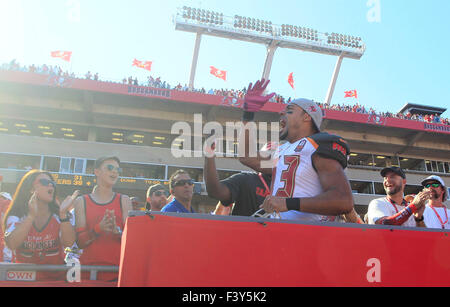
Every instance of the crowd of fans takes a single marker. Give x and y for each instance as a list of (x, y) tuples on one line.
[(158, 83)]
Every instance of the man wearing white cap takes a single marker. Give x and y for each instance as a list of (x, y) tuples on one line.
[(309, 182), (436, 213)]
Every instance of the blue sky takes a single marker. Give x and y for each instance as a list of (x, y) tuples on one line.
[(406, 59)]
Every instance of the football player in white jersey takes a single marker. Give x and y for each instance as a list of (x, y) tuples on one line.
[(308, 179)]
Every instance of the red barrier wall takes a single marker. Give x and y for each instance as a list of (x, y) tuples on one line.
[(181, 250), (190, 97)]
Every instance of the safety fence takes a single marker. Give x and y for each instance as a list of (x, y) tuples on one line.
[(14, 274)]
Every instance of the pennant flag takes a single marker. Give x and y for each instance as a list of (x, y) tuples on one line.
[(221, 74), (63, 55), (350, 94), (145, 65), (291, 80)]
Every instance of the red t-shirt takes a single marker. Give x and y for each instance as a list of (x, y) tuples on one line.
[(105, 249)]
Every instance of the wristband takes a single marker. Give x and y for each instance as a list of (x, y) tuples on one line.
[(248, 116), (293, 204), (419, 220), (413, 208)]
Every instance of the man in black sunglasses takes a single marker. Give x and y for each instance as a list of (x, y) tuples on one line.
[(436, 213), (156, 197), (182, 188)]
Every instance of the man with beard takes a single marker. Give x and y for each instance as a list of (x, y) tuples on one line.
[(100, 218), (182, 188), (436, 213), (156, 198), (308, 179), (394, 209)]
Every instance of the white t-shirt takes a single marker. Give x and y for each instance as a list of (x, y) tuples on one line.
[(432, 221), (382, 207)]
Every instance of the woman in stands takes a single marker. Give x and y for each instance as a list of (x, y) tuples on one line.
[(37, 227)]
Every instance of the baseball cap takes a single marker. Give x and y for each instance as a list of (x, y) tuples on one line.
[(312, 109), (6, 195), (438, 179), (395, 170), (136, 200), (154, 188)]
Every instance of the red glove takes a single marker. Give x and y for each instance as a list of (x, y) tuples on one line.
[(254, 99)]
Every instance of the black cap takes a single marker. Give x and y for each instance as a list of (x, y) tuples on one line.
[(395, 170)]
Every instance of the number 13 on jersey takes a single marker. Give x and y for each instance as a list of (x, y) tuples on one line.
[(288, 176)]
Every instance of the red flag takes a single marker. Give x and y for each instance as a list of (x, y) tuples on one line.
[(351, 94), (64, 55), (145, 65), (291, 80), (221, 74)]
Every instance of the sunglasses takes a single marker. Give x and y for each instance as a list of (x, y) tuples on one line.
[(434, 185), (159, 193), (46, 182), (111, 168), (183, 182)]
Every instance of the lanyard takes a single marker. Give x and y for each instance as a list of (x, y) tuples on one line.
[(440, 220), (394, 204), (264, 182)]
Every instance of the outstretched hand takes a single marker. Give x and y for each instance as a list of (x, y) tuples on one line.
[(254, 99)]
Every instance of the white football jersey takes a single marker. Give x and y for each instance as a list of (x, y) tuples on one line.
[(295, 177)]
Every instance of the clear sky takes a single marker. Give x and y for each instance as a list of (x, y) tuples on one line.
[(407, 57)]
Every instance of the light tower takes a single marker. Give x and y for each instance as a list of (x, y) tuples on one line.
[(207, 22)]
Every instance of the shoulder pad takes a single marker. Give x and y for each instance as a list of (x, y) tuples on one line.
[(331, 146)]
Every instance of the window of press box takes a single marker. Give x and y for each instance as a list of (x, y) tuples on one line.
[(194, 173), (361, 187), (385, 161), (22, 162), (72, 166), (436, 166), (379, 189), (412, 189), (412, 164), (147, 171), (360, 159), (52, 164)]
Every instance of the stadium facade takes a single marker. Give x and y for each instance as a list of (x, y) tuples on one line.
[(63, 125)]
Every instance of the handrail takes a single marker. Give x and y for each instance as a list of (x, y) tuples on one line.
[(5, 267)]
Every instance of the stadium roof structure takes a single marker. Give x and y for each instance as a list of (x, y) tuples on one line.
[(206, 22), (421, 109)]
